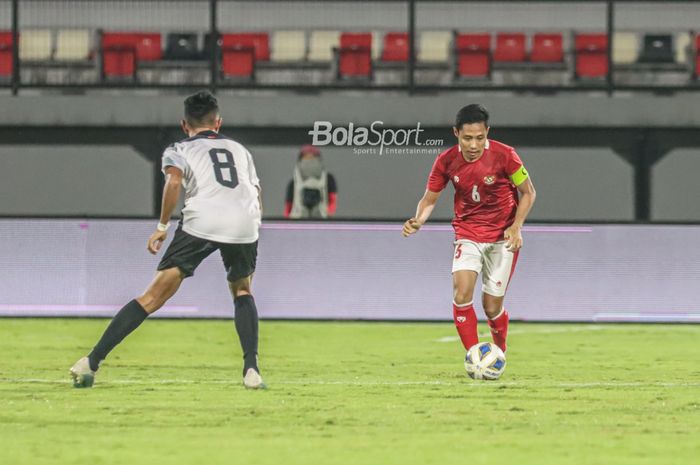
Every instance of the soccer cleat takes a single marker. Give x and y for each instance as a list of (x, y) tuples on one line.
[(83, 376), (253, 380)]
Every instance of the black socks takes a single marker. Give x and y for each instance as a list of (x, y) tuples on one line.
[(246, 316), (132, 315), (128, 319)]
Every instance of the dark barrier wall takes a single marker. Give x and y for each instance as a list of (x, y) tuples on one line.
[(357, 271)]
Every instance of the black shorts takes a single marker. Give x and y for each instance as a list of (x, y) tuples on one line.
[(186, 252)]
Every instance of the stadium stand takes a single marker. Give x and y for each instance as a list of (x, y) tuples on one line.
[(319, 56)]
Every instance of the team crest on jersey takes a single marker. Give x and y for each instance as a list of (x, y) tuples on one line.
[(488, 180), (456, 178)]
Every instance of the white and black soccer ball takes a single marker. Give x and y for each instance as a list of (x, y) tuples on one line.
[(485, 361)]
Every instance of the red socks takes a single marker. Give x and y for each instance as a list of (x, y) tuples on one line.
[(499, 329), (465, 321)]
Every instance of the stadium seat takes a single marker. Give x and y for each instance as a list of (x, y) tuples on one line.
[(181, 46), (510, 48), (72, 45), (625, 48), (259, 41), (148, 47), (547, 48), (322, 44), (683, 48), (396, 47), (240, 52), (696, 58), (238, 62), (657, 48), (121, 52), (210, 44), (288, 46), (355, 55), (473, 55), (434, 47), (591, 52), (377, 38), (6, 66), (35, 45)]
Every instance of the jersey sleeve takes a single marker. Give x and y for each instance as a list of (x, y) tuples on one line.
[(515, 169), (438, 178), (254, 180), (171, 157)]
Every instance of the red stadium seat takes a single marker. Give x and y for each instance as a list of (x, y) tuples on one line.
[(121, 52), (473, 55), (6, 65), (547, 48), (240, 52), (591, 52), (510, 48), (355, 55), (238, 61), (396, 47), (259, 41)]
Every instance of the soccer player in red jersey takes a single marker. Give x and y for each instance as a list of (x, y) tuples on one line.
[(493, 196)]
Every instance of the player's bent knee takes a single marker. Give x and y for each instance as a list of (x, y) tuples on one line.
[(149, 302), (241, 286), (492, 305), (461, 297)]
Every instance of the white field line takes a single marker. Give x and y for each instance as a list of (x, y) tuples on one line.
[(554, 330), (300, 382)]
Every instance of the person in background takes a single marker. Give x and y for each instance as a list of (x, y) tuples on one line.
[(312, 192)]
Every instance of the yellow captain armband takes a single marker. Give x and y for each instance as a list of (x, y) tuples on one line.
[(519, 176)]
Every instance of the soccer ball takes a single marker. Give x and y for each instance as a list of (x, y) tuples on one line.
[(485, 361)]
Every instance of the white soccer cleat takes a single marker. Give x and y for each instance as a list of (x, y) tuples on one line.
[(83, 376), (253, 380)]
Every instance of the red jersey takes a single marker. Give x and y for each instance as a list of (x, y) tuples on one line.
[(485, 194)]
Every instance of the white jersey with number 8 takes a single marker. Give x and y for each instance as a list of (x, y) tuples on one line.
[(221, 188)]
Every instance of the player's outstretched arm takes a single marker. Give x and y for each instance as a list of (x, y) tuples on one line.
[(423, 212), (512, 235), (171, 194)]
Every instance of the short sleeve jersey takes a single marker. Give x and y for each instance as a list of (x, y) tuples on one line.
[(486, 196), (221, 188)]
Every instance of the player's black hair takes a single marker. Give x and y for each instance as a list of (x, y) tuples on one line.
[(474, 113), (201, 108)]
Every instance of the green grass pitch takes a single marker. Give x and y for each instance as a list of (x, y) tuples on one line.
[(350, 393)]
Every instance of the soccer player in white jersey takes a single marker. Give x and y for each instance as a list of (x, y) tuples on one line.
[(222, 212)]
